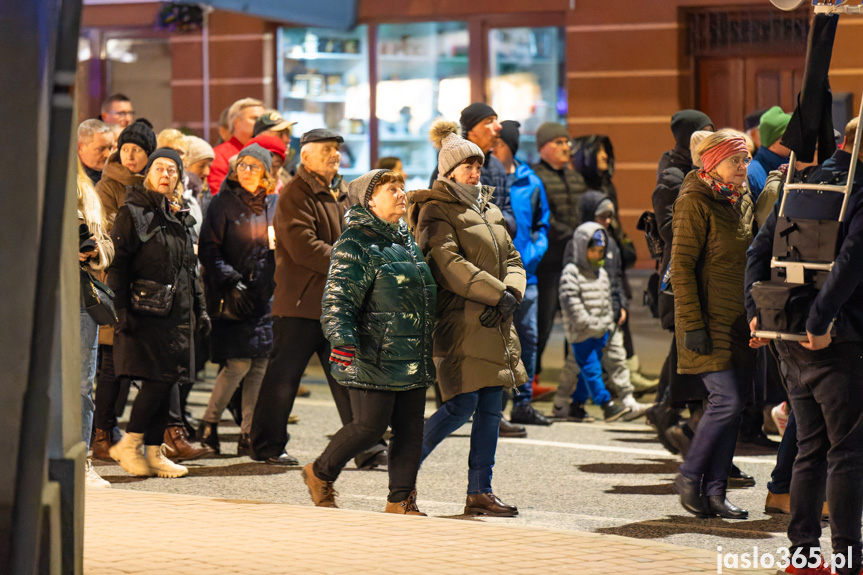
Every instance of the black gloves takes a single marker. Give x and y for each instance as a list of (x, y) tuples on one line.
[(698, 341), (241, 301), (125, 322), (204, 324), (491, 316), (508, 304)]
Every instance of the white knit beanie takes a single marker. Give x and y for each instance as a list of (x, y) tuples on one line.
[(453, 148), (694, 140)]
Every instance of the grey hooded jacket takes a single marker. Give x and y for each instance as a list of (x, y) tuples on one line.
[(585, 292)]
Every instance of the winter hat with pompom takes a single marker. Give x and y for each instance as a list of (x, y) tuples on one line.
[(454, 149)]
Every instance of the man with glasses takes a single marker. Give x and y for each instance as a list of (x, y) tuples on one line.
[(564, 188), (117, 111), (307, 223)]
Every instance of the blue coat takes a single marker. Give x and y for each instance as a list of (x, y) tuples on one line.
[(842, 292), (762, 164), (531, 212)]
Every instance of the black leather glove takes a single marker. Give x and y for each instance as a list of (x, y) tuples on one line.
[(240, 298), (698, 341), (508, 304), (491, 316), (125, 321), (205, 326)]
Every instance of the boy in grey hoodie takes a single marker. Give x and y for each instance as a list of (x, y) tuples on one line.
[(586, 306)]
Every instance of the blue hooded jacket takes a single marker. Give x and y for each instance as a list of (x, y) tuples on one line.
[(842, 292), (532, 213)]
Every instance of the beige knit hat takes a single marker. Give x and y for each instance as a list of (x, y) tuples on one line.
[(198, 149), (360, 190), (694, 140), (453, 148)]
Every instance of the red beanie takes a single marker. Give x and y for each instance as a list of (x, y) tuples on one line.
[(270, 143)]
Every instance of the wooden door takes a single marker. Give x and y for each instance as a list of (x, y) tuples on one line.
[(772, 81), (721, 90)]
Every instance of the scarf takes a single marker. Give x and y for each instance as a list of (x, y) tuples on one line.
[(254, 201), (729, 191), (465, 193)]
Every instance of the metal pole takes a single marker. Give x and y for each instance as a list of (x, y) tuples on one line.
[(205, 58)]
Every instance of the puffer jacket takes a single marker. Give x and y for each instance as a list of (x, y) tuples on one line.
[(564, 189), (380, 297), (708, 263), (585, 292), (112, 187), (473, 261), (234, 247), (664, 196), (530, 207)]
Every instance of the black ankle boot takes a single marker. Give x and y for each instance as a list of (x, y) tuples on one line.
[(690, 496), (719, 505), (209, 434)]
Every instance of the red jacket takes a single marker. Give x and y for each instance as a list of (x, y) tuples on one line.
[(219, 170)]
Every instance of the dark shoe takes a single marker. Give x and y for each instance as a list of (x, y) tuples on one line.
[(578, 414), (192, 425), (100, 445), (690, 496), (719, 505), (209, 434), (379, 459), (303, 391), (758, 439), (323, 493), (736, 478), (662, 418), (244, 444), (488, 504), (406, 507), (527, 414), (284, 459), (508, 429), (179, 448), (612, 411), (678, 438)]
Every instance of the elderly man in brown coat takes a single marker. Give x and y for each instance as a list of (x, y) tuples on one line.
[(307, 223)]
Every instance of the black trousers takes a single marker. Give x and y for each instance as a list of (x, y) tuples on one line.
[(150, 411), (373, 412), (295, 341), (826, 394), (548, 298)]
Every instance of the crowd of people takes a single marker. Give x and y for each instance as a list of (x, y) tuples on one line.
[(256, 258)]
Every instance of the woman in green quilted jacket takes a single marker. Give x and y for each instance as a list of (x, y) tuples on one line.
[(378, 314)]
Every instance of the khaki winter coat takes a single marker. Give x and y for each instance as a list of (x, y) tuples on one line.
[(708, 261), (473, 261)]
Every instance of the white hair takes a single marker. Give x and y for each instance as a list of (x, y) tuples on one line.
[(89, 128)]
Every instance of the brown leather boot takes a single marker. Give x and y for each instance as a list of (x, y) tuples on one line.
[(101, 444), (322, 492), (488, 504), (778, 503), (406, 507), (179, 448)]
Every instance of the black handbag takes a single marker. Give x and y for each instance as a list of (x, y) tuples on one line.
[(783, 307), (647, 223), (150, 297), (97, 299)]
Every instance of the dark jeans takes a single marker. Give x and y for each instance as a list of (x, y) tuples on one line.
[(712, 448), (526, 326), (150, 411), (484, 406), (548, 298), (109, 390), (826, 394), (373, 412), (295, 341), (780, 478)]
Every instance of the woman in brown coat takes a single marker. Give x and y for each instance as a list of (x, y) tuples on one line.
[(712, 227), (480, 285)]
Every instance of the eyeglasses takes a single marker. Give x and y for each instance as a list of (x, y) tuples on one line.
[(736, 161), (130, 113), (254, 168), (160, 170)]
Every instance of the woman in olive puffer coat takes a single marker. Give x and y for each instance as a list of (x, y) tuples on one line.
[(378, 314)]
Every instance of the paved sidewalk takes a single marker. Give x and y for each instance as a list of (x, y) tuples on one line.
[(142, 532)]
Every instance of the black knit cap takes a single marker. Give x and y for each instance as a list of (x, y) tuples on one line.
[(473, 115), (509, 134), (165, 153), (139, 132)]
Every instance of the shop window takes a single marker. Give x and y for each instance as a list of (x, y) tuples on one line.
[(140, 68), (525, 83), (324, 82)]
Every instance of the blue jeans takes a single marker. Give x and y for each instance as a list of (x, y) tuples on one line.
[(526, 326), (484, 406), (588, 356), (89, 345), (780, 479), (712, 448), (826, 395)]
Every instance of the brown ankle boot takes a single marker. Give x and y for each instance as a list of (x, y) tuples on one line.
[(322, 492), (101, 444), (406, 507), (488, 504), (179, 448)]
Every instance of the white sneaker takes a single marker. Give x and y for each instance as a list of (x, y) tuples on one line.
[(128, 454), (92, 479), (780, 417), (636, 410), (162, 466)]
